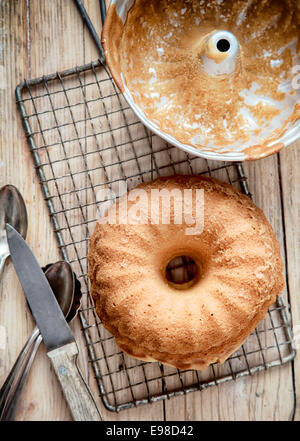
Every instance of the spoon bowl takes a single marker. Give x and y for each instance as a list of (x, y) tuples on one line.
[(62, 281), (12, 211)]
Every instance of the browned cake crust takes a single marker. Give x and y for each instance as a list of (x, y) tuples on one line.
[(241, 274)]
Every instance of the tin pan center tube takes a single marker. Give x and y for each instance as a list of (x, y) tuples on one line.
[(220, 53)]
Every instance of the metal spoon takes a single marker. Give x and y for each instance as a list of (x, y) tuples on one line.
[(12, 211), (68, 294)]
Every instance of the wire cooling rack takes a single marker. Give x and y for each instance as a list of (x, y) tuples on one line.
[(85, 139)]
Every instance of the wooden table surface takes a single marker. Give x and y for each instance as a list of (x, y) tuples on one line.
[(40, 37)]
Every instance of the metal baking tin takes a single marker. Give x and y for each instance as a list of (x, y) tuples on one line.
[(111, 34)]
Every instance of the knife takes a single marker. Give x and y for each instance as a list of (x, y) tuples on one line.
[(58, 338)]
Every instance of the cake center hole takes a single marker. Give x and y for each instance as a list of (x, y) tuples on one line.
[(182, 270), (223, 45)]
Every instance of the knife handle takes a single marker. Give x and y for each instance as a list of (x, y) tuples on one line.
[(75, 389)]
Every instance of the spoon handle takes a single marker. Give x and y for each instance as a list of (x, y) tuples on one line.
[(2, 263), (15, 371), (9, 410)]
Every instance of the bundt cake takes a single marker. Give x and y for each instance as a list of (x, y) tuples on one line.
[(193, 325)]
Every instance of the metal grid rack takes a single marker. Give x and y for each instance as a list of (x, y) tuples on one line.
[(85, 139)]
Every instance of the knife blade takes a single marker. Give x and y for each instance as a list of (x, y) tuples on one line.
[(57, 335), (43, 304)]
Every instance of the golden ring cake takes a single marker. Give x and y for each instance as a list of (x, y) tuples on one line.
[(204, 321)]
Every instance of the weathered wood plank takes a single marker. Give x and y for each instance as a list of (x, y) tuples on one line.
[(17, 169), (290, 179), (266, 395), (155, 411), (52, 32)]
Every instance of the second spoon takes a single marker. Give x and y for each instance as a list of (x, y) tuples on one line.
[(62, 281)]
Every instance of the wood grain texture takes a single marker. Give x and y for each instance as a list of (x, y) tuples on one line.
[(156, 410), (16, 168), (289, 161), (39, 37), (268, 395)]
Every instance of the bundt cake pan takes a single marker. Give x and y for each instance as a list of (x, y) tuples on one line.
[(249, 51)]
